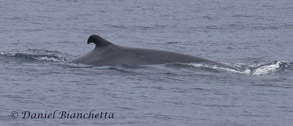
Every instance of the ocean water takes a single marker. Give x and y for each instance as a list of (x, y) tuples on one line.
[(38, 87)]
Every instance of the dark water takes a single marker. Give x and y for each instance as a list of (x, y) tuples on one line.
[(38, 37)]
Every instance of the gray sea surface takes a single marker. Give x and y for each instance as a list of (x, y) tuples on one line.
[(38, 37)]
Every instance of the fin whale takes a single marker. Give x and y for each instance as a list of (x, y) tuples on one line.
[(107, 53)]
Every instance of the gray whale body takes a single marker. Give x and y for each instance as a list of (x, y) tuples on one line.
[(106, 53)]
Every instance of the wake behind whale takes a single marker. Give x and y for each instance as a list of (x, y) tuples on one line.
[(107, 53)]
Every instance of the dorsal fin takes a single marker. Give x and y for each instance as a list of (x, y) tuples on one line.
[(99, 41)]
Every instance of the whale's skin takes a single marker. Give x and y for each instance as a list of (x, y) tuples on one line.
[(106, 53)]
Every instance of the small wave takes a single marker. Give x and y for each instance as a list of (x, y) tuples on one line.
[(267, 68), (253, 69), (37, 55), (212, 67)]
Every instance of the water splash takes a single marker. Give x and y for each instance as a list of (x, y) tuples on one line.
[(212, 67), (37, 55), (268, 68), (252, 69)]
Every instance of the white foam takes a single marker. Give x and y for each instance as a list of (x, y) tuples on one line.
[(267, 69), (259, 69), (47, 59), (215, 67)]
